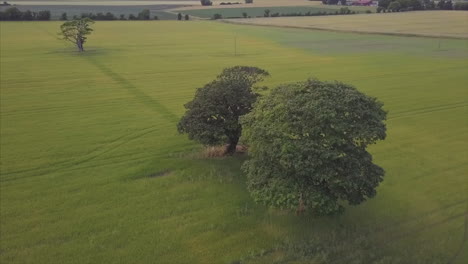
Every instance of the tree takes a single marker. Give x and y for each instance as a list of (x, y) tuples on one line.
[(394, 6), (384, 3), (76, 31), (43, 15), (144, 15), (187, 17), (212, 117), (179, 16), (266, 13), (244, 14), (307, 146), (64, 16)]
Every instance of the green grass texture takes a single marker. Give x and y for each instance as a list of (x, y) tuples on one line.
[(94, 171)]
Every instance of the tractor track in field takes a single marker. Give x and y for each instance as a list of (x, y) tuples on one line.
[(426, 110), (114, 144), (119, 141)]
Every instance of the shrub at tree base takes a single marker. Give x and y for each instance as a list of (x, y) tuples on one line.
[(212, 117), (307, 147)]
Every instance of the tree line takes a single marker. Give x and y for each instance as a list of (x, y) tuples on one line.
[(268, 13), (14, 14), (410, 5)]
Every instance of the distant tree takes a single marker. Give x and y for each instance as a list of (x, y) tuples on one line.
[(343, 2), (384, 3), (187, 17), (144, 15), (217, 16), (179, 16), (212, 117), (27, 16), (43, 15), (266, 13), (206, 2), (461, 6), (64, 16), (132, 17), (76, 31), (249, 1), (244, 14), (156, 18), (448, 5), (441, 4), (394, 6), (12, 13), (122, 17), (307, 146)]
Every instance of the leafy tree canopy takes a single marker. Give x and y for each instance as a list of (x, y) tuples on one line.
[(212, 117), (76, 31), (307, 146)]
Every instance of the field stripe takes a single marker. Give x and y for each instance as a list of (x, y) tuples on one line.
[(140, 95)]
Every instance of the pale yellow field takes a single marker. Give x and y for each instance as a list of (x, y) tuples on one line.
[(453, 24)]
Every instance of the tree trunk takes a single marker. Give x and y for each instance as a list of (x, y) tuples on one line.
[(80, 46), (231, 148)]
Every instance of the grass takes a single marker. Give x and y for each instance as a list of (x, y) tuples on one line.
[(259, 11), (451, 24), (93, 170)]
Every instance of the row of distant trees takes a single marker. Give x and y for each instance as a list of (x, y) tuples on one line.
[(14, 14), (209, 3), (143, 15), (410, 5), (267, 13)]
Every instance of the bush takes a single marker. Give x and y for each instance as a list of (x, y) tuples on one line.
[(187, 17), (217, 16), (368, 12), (244, 14), (266, 13)]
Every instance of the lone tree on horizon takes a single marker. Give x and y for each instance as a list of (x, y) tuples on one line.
[(307, 147), (76, 31), (212, 117)]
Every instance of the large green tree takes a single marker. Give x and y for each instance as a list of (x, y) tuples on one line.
[(76, 31), (307, 146), (212, 117)]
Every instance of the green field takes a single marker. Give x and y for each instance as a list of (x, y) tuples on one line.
[(94, 171), (259, 11)]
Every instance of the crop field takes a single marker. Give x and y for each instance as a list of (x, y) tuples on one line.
[(453, 24), (94, 171), (259, 11)]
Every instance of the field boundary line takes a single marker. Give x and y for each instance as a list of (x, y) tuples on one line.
[(231, 21)]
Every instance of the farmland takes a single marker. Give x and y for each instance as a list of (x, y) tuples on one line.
[(452, 24), (94, 171)]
